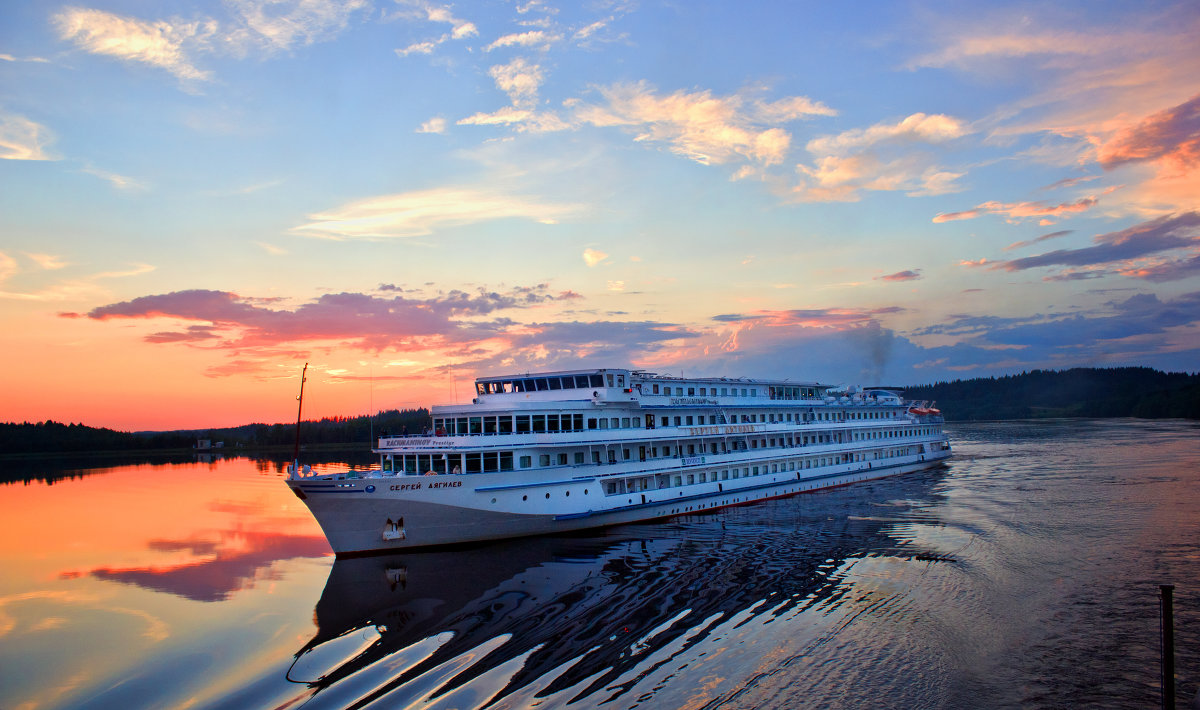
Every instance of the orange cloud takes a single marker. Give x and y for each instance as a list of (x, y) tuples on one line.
[(1171, 136), (1019, 210)]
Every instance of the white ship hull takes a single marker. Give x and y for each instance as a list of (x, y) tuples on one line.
[(355, 520)]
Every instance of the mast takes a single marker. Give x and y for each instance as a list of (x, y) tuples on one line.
[(299, 410)]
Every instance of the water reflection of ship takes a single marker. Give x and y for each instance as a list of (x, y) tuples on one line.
[(596, 604)]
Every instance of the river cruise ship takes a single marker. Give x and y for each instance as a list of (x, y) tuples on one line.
[(560, 451)]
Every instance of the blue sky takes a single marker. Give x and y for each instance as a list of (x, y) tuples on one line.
[(197, 198)]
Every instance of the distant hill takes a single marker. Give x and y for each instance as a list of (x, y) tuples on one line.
[(54, 437), (1081, 392)]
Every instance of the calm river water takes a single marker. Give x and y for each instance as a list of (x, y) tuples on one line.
[(1024, 573)]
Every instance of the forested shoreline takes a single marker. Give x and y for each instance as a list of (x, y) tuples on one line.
[(54, 437), (1081, 392), (1139, 392)]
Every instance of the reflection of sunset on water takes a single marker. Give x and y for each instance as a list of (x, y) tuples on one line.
[(173, 527), (113, 574)]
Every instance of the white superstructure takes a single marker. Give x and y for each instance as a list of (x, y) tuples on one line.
[(560, 451)]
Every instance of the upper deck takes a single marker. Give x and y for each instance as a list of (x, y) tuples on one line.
[(636, 388)]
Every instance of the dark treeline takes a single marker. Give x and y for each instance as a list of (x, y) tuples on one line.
[(1081, 392), (53, 437)]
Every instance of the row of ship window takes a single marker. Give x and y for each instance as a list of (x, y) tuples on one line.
[(589, 381), (495, 461), (540, 423), (672, 480), (546, 384)]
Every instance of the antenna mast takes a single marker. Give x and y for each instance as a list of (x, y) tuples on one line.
[(299, 410)]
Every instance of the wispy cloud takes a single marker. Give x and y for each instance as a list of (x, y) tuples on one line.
[(426, 47), (49, 262), (1020, 210), (906, 275), (591, 28), (35, 60), (158, 44), (1148, 238), (271, 249), (267, 26), (539, 39), (69, 289), (919, 127), (8, 267), (882, 157), (430, 12), (1109, 96), (700, 126), (121, 182), (811, 317), (227, 320), (1088, 334), (1044, 237), (521, 80), (966, 49), (423, 212), (22, 139), (1171, 135), (276, 25)]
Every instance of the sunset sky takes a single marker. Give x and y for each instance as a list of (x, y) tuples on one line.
[(196, 198)]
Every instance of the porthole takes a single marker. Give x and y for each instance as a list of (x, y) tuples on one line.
[(585, 491), (524, 497), (568, 494), (493, 500), (547, 496)]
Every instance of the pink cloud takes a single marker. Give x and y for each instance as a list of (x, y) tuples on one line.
[(1020, 210), (907, 275), (368, 320), (1142, 240), (952, 216), (837, 318), (1044, 237), (1171, 135)]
